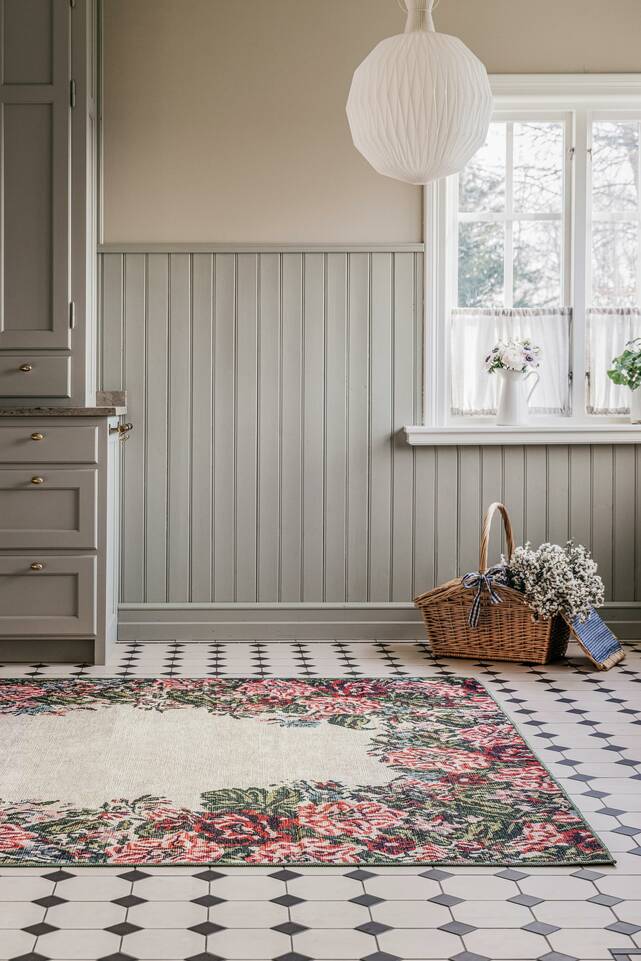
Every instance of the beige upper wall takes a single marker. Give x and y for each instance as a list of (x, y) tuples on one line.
[(224, 120)]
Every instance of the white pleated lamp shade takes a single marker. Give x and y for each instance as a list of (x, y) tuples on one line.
[(419, 106)]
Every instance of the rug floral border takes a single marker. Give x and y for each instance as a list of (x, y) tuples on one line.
[(468, 790)]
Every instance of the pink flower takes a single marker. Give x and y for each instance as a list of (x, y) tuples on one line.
[(276, 691), (358, 819), (307, 850), (243, 826), (532, 777), (429, 852), (489, 734), (21, 692), (326, 706), (436, 759), (15, 838), (538, 837), (170, 849)]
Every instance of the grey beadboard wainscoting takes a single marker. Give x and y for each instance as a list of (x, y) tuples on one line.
[(268, 390)]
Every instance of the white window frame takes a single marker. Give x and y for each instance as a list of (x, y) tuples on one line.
[(578, 99)]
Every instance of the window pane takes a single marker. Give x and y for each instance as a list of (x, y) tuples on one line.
[(538, 167), (480, 264), (615, 166), (615, 254), (537, 263), (482, 183)]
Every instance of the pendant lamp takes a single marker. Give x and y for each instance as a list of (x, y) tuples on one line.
[(420, 103)]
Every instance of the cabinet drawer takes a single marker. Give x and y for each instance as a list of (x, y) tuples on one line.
[(48, 508), (37, 443), (56, 598), (29, 376)]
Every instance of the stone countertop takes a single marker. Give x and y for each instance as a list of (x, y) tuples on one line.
[(62, 411)]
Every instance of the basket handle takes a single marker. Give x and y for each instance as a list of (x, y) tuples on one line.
[(485, 534)]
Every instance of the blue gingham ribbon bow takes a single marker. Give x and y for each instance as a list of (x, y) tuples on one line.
[(481, 582)]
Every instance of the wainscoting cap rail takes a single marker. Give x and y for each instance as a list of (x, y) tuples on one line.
[(256, 248), (482, 435)]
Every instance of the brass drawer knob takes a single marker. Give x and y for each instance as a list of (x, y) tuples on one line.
[(37, 480), (37, 566), (37, 436), (25, 368)]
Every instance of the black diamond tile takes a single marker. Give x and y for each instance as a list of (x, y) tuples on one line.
[(118, 956), (290, 927), (32, 956), (287, 900), (293, 956), (457, 927), (587, 875), (447, 899), (207, 927), (125, 927), (511, 875), (284, 875), (626, 831), (373, 927), (526, 899), (129, 901), (539, 927), (205, 956), (469, 956), (367, 900), (360, 875), (623, 927), (381, 956), (607, 899), (134, 875), (39, 929), (208, 900), (556, 956), (435, 874), (58, 875), (209, 875), (50, 901)]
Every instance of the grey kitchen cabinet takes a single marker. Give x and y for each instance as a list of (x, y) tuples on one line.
[(36, 124), (48, 208), (59, 454), (59, 534)]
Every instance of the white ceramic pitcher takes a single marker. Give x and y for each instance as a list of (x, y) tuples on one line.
[(635, 406), (514, 397)]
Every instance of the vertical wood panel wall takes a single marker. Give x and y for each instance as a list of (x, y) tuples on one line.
[(267, 392)]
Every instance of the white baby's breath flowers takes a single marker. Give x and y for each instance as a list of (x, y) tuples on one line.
[(556, 580)]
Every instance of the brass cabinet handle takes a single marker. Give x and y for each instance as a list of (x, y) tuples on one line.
[(37, 436), (25, 368), (37, 566), (37, 480), (122, 430)]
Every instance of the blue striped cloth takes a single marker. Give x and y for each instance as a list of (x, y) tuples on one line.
[(595, 637)]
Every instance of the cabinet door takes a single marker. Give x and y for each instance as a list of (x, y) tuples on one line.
[(34, 173)]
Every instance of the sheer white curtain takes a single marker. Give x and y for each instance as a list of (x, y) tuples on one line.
[(609, 328), (475, 331)]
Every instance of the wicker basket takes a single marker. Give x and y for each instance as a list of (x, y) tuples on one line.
[(505, 631)]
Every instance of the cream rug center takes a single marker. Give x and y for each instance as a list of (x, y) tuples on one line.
[(88, 757)]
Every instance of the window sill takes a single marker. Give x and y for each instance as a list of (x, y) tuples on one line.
[(483, 435)]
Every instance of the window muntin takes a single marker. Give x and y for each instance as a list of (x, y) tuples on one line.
[(510, 237)]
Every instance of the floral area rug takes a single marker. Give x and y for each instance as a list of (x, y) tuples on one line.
[(275, 771)]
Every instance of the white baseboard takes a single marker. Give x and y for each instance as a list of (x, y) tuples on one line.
[(320, 622)]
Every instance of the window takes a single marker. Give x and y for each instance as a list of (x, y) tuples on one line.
[(539, 237)]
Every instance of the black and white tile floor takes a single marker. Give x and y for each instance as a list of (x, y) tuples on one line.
[(586, 726)]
